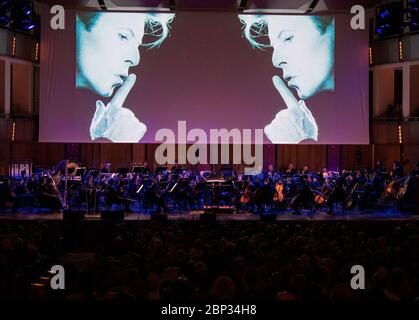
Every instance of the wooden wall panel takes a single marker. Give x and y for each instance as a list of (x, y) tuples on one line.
[(24, 130), (410, 133), (5, 133), (138, 153), (122, 155), (118, 154), (411, 155), (90, 155), (43, 154), (314, 156), (350, 156), (387, 154), (4, 158), (385, 133)]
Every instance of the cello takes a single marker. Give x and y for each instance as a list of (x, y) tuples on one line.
[(279, 195)]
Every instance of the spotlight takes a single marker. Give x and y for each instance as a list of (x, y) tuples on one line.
[(28, 24), (389, 19), (413, 15), (4, 20), (4, 12), (23, 15), (27, 11)]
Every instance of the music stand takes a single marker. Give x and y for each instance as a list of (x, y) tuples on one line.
[(94, 173), (160, 169), (138, 169), (123, 171), (80, 172)]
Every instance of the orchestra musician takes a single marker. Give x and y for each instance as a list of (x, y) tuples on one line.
[(269, 191)]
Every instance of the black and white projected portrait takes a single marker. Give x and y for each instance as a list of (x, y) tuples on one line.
[(107, 47), (303, 49)]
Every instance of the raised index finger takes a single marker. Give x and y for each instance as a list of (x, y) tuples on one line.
[(285, 92), (120, 96)]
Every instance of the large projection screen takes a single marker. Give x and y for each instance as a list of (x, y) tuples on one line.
[(122, 77)]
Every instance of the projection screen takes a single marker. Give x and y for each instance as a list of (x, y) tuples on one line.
[(121, 77)]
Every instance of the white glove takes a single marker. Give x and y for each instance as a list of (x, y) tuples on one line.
[(114, 122), (294, 124)]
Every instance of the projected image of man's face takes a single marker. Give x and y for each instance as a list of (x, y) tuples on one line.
[(107, 48), (303, 47)]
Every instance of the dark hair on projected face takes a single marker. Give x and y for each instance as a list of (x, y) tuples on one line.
[(156, 25), (255, 26)]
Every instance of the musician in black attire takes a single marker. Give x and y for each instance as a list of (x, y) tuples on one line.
[(47, 196), (145, 168), (152, 197), (415, 171), (271, 171), (114, 195), (106, 168), (303, 197), (291, 170), (397, 171), (31, 184), (379, 168), (306, 170), (6, 194), (337, 195)]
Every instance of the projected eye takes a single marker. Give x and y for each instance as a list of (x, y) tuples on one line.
[(288, 39), (122, 37)]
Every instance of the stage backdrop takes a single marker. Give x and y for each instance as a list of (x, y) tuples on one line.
[(121, 77)]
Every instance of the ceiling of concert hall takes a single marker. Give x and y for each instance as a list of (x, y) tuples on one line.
[(227, 5)]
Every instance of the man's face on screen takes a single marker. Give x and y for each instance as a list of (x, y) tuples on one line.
[(107, 50), (303, 52)]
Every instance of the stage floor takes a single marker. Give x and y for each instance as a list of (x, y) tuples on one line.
[(389, 214)]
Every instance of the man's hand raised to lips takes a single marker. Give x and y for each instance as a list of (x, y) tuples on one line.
[(294, 124), (115, 122)]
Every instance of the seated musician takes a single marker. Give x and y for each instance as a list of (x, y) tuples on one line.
[(337, 194), (326, 174), (46, 195), (21, 192), (397, 171), (153, 198), (106, 168), (146, 169), (379, 167), (31, 184), (6, 194), (291, 170), (271, 171), (306, 170), (114, 195)]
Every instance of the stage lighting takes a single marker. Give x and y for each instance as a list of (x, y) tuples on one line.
[(4, 20), (413, 15), (389, 19), (4, 13), (23, 15)]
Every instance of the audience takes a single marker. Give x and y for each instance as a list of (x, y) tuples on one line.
[(192, 261)]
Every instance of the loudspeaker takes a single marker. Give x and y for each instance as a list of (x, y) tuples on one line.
[(208, 217), (112, 215), (159, 217), (268, 218), (69, 215)]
